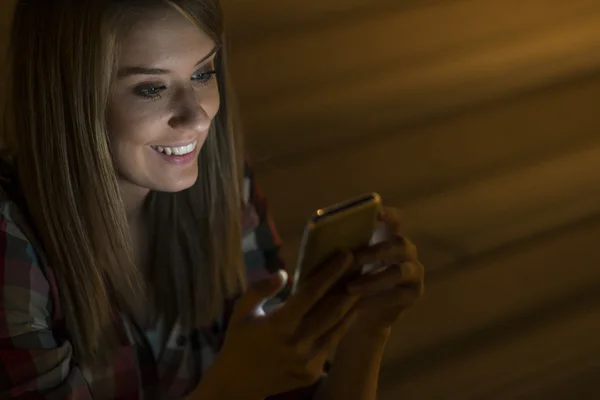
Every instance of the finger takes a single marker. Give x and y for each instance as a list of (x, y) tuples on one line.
[(392, 218), (396, 250), (312, 290), (395, 275), (328, 314), (329, 340), (399, 298), (257, 295)]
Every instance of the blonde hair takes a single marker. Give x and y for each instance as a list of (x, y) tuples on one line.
[(62, 60)]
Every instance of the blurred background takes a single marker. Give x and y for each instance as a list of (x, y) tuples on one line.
[(481, 120), (478, 118)]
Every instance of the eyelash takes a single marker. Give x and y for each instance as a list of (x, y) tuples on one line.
[(205, 78)]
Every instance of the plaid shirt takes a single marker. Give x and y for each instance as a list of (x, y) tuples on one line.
[(36, 358)]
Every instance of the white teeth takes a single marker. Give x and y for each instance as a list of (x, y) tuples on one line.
[(178, 151)]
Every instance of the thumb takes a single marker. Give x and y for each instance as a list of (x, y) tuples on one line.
[(257, 295)]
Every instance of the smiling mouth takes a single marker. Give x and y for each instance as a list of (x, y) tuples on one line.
[(176, 151)]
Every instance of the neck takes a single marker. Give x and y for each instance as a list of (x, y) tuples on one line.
[(133, 199)]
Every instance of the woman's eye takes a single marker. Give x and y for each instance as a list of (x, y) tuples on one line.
[(150, 91), (153, 91), (204, 78)]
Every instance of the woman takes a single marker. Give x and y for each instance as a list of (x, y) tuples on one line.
[(122, 273)]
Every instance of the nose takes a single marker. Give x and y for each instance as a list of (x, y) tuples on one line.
[(189, 113)]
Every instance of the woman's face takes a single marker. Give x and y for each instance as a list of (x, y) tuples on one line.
[(164, 100)]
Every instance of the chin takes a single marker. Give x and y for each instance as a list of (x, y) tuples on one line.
[(174, 187), (177, 182)]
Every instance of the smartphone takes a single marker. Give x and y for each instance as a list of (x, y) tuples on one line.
[(345, 226)]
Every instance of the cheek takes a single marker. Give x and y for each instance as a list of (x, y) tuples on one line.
[(132, 126), (211, 102)]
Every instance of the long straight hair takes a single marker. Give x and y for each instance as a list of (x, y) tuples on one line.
[(62, 59)]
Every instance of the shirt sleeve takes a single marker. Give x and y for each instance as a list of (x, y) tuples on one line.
[(34, 364), (261, 244)]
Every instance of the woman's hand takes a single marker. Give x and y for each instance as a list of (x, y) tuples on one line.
[(287, 348), (393, 287)]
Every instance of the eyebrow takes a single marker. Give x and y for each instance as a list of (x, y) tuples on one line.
[(129, 71)]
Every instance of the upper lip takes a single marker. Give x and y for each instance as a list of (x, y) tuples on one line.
[(178, 144)]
